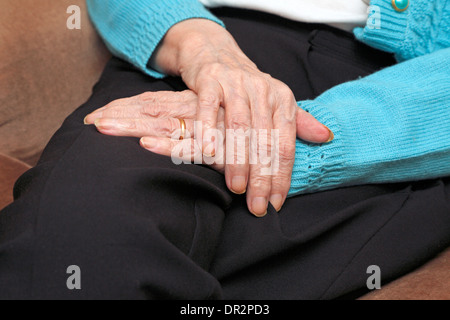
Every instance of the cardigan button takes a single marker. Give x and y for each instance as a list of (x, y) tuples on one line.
[(400, 5)]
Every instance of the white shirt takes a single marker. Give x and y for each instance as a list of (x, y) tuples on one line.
[(344, 14)]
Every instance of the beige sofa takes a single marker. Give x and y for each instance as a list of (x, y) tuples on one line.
[(47, 70)]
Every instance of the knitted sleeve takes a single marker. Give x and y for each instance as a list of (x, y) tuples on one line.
[(391, 126), (133, 29), (421, 29)]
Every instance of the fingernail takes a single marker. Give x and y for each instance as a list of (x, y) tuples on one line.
[(277, 201), (85, 120), (96, 114), (239, 185), (331, 138), (259, 207), (149, 142)]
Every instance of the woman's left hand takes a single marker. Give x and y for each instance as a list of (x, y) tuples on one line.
[(156, 118)]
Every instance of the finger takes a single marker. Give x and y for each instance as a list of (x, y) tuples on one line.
[(149, 104), (283, 152), (238, 124), (210, 97), (120, 111), (165, 127), (311, 130), (183, 151), (120, 108), (260, 177), (219, 157)]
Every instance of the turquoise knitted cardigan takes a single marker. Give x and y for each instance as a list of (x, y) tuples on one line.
[(391, 126)]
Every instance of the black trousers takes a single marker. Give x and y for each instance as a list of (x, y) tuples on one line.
[(140, 227)]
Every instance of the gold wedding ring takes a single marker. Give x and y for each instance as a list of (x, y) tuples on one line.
[(183, 129)]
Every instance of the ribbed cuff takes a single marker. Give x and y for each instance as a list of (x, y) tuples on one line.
[(153, 24), (421, 29), (385, 28), (318, 167)]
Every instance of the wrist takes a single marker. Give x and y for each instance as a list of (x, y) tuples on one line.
[(190, 43)]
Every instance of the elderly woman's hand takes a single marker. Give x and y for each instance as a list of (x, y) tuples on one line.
[(155, 117), (211, 64)]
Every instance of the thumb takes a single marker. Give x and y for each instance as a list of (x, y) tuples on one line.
[(311, 130)]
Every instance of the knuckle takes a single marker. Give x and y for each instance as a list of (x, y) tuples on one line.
[(171, 127), (237, 97), (287, 152), (284, 90), (281, 181), (208, 125), (131, 125), (214, 68), (153, 109), (282, 177), (148, 97), (209, 101), (204, 122), (263, 122), (262, 85), (238, 121), (260, 182), (287, 113), (211, 71), (284, 93)]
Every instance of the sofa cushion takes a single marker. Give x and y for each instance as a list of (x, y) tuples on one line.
[(46, 71), (11, 170), (430, 282)]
